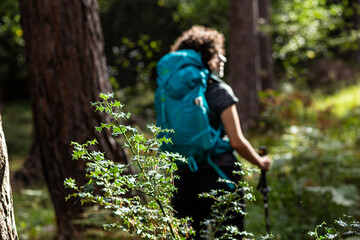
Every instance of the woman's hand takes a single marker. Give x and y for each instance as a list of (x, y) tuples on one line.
[(265, 163)]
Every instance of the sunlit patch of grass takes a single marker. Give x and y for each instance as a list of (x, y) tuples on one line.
[(34, 214), (35, 218), (340, 103)]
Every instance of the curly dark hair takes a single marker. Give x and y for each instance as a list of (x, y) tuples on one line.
[(209, 42)]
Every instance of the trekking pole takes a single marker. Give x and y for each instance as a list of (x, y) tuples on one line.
[(264, 189)]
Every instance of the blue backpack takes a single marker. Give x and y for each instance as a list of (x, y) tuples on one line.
[(181, 105)]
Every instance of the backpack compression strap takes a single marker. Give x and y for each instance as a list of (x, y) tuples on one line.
[(191, 160), (220, 172), (217, 169), (193, 165)]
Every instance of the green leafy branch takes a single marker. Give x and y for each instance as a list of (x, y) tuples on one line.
[(140, 200), (227, 205), (343, 229)]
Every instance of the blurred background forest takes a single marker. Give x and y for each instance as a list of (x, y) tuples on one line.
[(310, 119)]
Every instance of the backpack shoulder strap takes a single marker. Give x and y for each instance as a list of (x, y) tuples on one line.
[(214, 78)]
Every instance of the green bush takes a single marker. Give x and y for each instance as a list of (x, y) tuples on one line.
[(139, 192), (343, 229)]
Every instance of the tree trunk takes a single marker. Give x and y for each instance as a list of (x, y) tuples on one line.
[(66, 70), (244, 59), (266, 60), (7, 219)]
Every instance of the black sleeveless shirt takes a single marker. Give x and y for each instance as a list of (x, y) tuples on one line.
[(219, 96)]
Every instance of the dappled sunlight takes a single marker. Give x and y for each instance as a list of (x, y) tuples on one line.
[(342, 102)]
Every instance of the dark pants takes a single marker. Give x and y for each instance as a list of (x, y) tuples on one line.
[(187, 203)]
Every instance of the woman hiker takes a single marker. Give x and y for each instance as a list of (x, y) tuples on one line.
[(208, 44)]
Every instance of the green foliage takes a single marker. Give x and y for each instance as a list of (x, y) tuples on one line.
[(342, 230), (140, 200), (342, 102), (10, 22), (227, 205), (314, 176), (12, 57), (308, 30), (137, 57), (132, 52), (304, 25), (210, 13), (281, 109), (139, 192)]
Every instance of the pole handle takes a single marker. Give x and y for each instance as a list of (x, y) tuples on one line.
[(262, 151), (262, 181)]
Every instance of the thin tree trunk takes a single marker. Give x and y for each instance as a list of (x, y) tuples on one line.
[(266, 60), (67, 71), (7, 219), (244, 59)]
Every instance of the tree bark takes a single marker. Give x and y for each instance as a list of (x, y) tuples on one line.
[(244, 61), (265, 46), (7, 219), (66, 70)]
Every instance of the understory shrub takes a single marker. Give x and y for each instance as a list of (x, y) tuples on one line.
[(139, 192)]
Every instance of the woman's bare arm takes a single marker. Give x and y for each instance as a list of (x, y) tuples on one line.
[(231, 122)]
